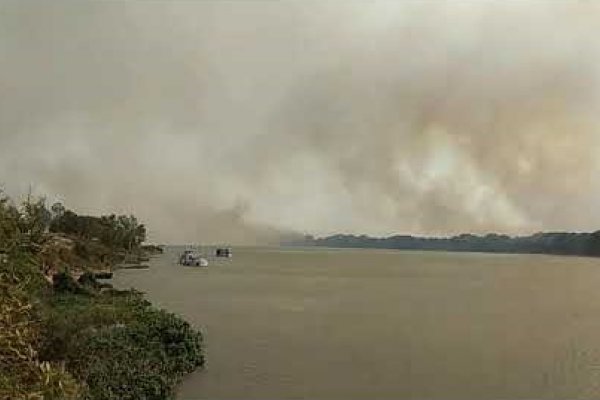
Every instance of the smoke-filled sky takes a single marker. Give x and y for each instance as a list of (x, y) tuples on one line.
[(234, 121)]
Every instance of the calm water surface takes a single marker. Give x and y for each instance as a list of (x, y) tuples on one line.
[(352, 324)]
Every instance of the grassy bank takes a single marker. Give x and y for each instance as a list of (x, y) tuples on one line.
[(63, 335)]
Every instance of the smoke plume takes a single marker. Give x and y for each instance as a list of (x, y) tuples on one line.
[(240, 121)]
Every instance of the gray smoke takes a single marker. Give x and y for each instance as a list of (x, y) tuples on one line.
[(241, 121)]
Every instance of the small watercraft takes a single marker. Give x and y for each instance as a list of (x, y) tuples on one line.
[(223, 252), (192, 258)]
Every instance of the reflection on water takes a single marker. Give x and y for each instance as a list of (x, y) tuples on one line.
[(345, 324)]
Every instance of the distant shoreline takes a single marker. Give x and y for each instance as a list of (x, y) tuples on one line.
[(553, 243)]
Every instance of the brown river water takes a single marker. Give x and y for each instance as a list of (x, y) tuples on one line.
[(355, 324)]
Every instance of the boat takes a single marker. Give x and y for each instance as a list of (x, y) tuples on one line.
[(223, 252), (192, 258)]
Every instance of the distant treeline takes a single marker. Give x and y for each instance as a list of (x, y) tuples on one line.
[(565, 243)]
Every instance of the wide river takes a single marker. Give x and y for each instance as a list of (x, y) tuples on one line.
[(355, 324)]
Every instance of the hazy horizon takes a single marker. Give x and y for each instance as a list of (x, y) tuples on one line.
[(240, 121)]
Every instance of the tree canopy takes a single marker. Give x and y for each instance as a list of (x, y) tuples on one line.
[(565, 243)]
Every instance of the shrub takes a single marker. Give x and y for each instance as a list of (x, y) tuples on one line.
[(141, 360), (68, 315), (22, 374), (119, 345), (114, 343)]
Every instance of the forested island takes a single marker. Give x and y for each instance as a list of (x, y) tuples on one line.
[(561, 243), (66, 335)]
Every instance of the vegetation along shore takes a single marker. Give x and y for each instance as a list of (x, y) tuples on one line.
[(66, 335), (559, 243)]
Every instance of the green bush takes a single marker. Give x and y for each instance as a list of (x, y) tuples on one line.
[(69, 314), (22, 373), (120, 346), (67, 339), (142, 360)]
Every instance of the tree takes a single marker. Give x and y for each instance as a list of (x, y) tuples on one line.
[(58, 210)]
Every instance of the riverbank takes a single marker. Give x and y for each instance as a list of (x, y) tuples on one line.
[(65, 335), (555, 243)]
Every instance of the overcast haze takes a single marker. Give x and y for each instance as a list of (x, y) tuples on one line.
[(235, 121)]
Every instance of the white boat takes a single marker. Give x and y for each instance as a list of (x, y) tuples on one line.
[(192, 259)]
